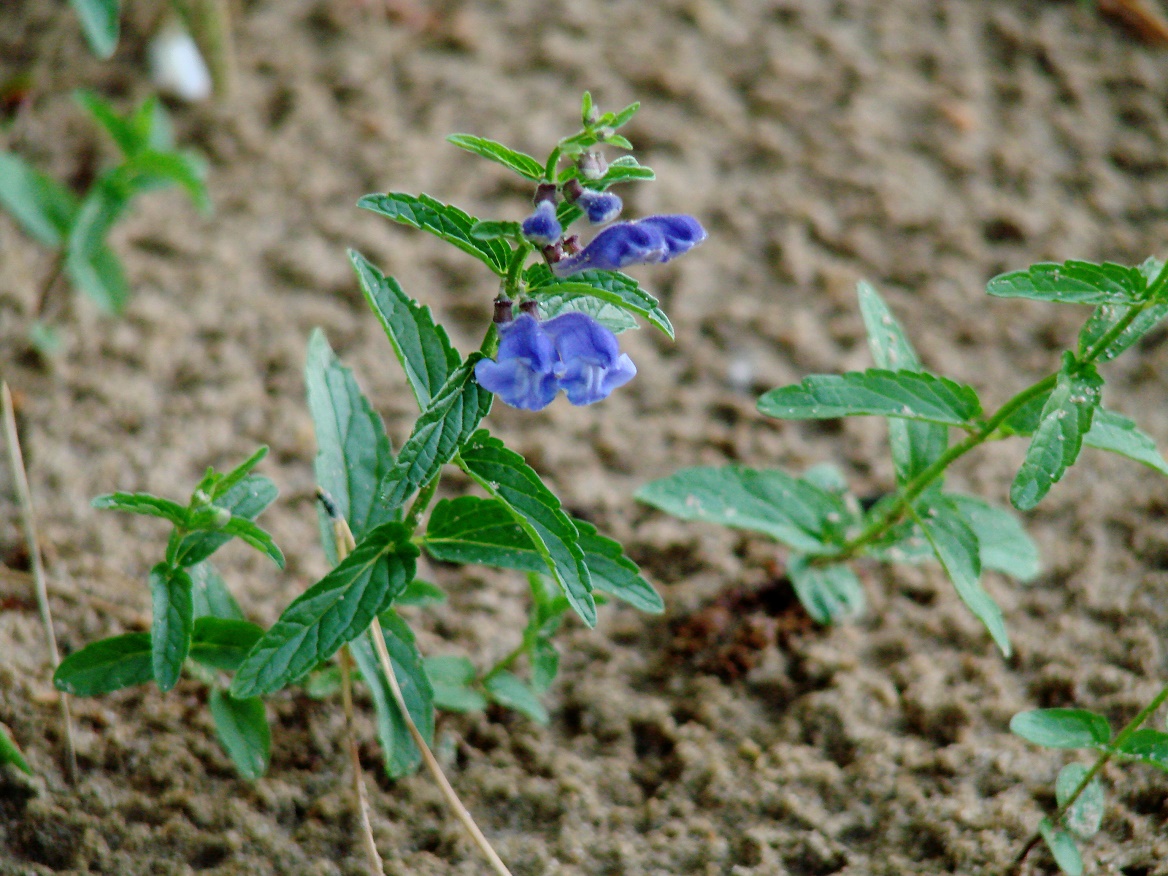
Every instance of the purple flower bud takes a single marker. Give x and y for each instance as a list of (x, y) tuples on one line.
[(591, 364), (542, 227), (523, 372), (600, 207), (644, 241), (682, 233)]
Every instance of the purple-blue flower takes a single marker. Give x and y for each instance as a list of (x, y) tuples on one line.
[(523, 372), (542, 227), (591, 364), (600, 207), (643, 241)]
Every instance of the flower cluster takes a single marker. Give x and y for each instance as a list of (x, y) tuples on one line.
[(572, 352)]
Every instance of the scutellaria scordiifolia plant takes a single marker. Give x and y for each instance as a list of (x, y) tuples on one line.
[(551, 320)]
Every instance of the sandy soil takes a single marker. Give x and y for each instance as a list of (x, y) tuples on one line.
[(923, 145)]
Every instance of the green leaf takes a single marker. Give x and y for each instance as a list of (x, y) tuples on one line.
[(614, 573), (1085, 815), (1106, 316), (512, 692), (129, 138), (616, 319), (172, 624), (956, 547), (1062, 728), (453, 414), (243, 731), (507, 478), (545, 663), (151, 169), (335, 610), (422, 347), (470, 529), (99, 22), (1003, 544), (902, 394), (353, 453), (830, 594), (612, 287), (623, 169), (453, 680), (915, 445), (1117, 434), (786, 508), (491, 230), (1056, 442), (42, 206), (421, 593), (100, 275), (397, 746), (522, 164), (245, 500), (324, 682), (1072, 282), (223, 644), (106, 665), (142, 503), (1148, 745), (225, 483), (1062, 847), (250, 534), (10, 752), (442, 220)]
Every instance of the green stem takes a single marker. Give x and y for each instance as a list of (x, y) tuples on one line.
[(514, 267), (507, 662), (1132, 726), (549, 170), (421, 503)]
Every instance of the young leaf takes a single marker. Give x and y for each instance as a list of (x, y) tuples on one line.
[(244, 501), (129, 138), (507, 478), (442, 220), (223, 644), (243, 731), (453, 414), (830, 594), (10, 752), (99, 22), (1062, 847), (353, 453), (1002, 543), (100, 275), (903, 394), (483, 531), (612, 287), (614, 573), (1072, 283), (1056, 442), (915, 445), (958, 551), (1117, 434), (335, 610), (545, 663), (172, 625), (623, 169), (106, 665), (1085, 815), (226, 482), (453, 680), (422, 347), (250, 534), (1150, 746), (397, 746), (42, 206), (522, 164), (1062, 728), (151, 169), (142, 503), (512, 692), (1106, 316), (786, 508)]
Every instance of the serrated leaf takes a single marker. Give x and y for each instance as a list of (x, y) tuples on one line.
[(99, 22), (1117, 434), (245, 500), (831, 594), (915, 445), (612, 287), (1072, 282), (252, 535), (42, 206), (421, 593), (770, 501), (1062, 728), (906, 395), (223, 644), (106, 665), (1150, 746), (614, 573), (614, 318), (522, 164), (1106, 316), (451, 679), (512, 692), (1062, 847), (470, 529), (1085, 815), (172, 624), (956, 546), (1002, 542), (243, 731), (453, 414), (142, 503), (335, 610), (510, 480), (421, 345), (442, 220), (353, 453), (1057, 439), (545, 663), (491, 230), (10, 752), (397, 746)]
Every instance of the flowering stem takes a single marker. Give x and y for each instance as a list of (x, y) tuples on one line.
[(514, 267)]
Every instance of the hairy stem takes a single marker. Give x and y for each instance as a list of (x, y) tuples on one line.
[(421, 503)]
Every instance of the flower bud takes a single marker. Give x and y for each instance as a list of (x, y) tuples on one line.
[(592, 165), (542, 227), (600, 207)]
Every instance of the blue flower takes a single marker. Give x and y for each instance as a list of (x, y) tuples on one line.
[(542, 227), (644, 241), (523, 372), (600, 207), (591, 364)]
